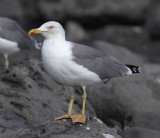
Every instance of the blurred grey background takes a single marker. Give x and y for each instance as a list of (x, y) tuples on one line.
[(129, 106), (134, 24)]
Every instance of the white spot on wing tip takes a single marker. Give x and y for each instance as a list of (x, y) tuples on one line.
[(129, 71), (108, 135)]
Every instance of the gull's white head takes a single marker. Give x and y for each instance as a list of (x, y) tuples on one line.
[(49, 29)]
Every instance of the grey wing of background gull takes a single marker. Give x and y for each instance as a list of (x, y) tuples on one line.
[(105, 66), (10, 30)]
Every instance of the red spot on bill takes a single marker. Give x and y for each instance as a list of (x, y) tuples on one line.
[(32, 33)]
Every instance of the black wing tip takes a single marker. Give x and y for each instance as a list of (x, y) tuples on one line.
[(134, 69)]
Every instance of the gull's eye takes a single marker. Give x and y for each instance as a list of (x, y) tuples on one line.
[(50, 27)]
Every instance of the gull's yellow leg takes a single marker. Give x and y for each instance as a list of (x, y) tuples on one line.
[(6, 64), (69, 110), (80, 118)]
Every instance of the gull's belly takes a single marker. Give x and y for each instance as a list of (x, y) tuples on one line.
[(8, 47), (69, 73), (58, 62), (57, 70)]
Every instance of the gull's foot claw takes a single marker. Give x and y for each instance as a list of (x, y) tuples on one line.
[(80, 118), (63, 117)]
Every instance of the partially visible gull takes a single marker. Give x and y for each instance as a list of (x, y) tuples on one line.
[(77, 65), (13, 39)]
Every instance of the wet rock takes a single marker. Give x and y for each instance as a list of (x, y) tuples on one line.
[(140, 133)]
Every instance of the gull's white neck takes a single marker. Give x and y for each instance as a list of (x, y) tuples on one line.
[(56, 37), (56, 47)]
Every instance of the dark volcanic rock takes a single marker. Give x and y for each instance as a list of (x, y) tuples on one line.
[(11, 120), (53, 10), (121, 96), (11, 123), (133, 37), (98, 8), (62, 129), (140, 133), (24, 11), (152, 68), (119, 52), (143, 119), (33, 99), (29, 91), (114, 125), (86, 10), (75, 32), (153, 22), (11, 9)]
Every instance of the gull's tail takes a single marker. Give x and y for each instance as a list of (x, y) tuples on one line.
[(134, 69)]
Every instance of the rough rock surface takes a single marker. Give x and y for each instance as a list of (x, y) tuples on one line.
[(119, 52), (133, 37), (10, 123), (121, 96), (15, 10), (140, 133), (153, 22), (75, 32), (96, 8), (125, 22), (30, 99), (29, 91), (17, 127), (84, 11), (142, 119)]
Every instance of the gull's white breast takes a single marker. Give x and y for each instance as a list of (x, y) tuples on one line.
[(57, 59), (8, 47)]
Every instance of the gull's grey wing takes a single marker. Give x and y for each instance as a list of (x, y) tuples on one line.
[(10, 30), (104, 66), (85, 52)]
